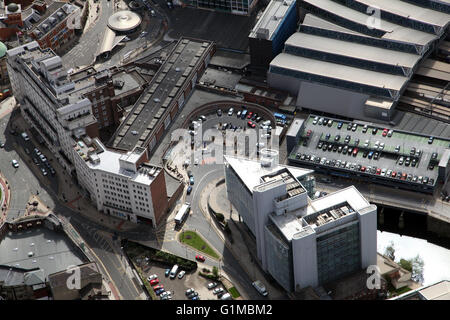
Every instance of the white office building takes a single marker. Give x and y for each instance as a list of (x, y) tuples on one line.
[(121, 184), (301, 242)]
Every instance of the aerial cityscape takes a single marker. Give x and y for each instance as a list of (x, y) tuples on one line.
[(224, 150)]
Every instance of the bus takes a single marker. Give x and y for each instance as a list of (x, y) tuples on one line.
[(182, 214), (279, 116)]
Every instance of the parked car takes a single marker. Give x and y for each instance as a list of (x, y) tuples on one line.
[(167, 272), (189, 291), (189, 190), (152, 277), (158, 286), (14, 163), (230, 112), (181, 274), (191, 180), (212, 285), (219, 112), (154, 281), (200, 258), (217, 290)]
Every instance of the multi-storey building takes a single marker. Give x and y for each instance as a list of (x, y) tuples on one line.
[(276, 24), (301, 242), (124, 185), (121, 184), (242, 7)]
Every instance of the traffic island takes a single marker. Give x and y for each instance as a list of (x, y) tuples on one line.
[(196, 241)]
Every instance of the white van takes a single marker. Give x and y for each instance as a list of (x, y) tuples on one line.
[(173, 271), (25, 136)]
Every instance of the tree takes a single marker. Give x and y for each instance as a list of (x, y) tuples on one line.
[(406, 264), (215, 271), (417, 269), (390, 251)]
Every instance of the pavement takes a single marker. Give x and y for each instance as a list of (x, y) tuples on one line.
[(243, 247)]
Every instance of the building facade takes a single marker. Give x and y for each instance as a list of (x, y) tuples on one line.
[(119, 183), (302, 242)]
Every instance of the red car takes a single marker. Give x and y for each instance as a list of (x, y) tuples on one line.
[(385, 132), (378, 171), (394, 174), (355, 152), (200, 258), (159, 286), (363, 169), (249, 116), (308, 133), (154, 281), (251, 124), (404, 175)]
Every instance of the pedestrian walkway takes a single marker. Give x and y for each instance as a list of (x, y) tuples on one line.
[(243, 246), (4, 198)]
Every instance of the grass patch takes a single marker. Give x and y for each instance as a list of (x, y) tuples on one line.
[(234, 292), (192, 239), (147, 284)]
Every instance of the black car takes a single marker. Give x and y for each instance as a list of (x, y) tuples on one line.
[(349, 126), (319, 145), (330, 147), (337, 138), (297, 156), (219, 112), (374, 131)]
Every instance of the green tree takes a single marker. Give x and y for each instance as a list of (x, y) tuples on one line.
[(390, 251), (215, 271), (406, 264)]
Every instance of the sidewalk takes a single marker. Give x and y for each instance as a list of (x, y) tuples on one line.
[(243, 247), (69, 194), (5, 199)]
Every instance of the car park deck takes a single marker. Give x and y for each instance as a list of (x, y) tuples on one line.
[(364, 163)]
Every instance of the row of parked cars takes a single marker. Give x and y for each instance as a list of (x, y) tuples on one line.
[(368, 170), (43, 160)]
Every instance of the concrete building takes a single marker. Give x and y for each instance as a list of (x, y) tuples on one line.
[(90, 284), (337, 63), (165, 96), (241, 7), (276, 24), (435, 291), (124, 185), (301, 242), (58, 108)]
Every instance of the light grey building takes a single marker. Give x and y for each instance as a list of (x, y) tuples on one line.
[(345, 61), (301, 242)]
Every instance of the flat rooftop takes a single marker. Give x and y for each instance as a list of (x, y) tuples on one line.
[(348, 49), (109, 161), (389, 159), (251, 172), (272, 17), (293, 187), (338, 71), (51, 251), (153, 103), (321, 211)]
